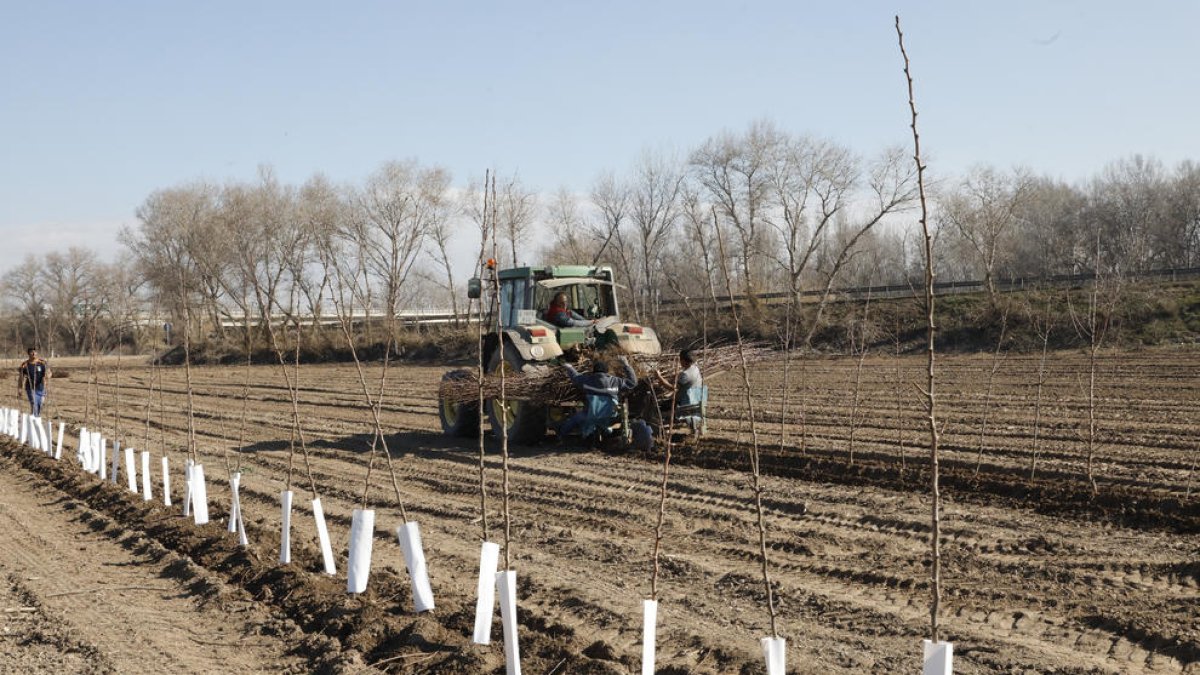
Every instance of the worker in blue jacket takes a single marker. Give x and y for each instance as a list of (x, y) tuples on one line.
[(601, 391)]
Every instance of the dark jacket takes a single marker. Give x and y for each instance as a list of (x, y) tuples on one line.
[(603, 384)]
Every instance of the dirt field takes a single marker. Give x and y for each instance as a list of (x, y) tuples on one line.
[(1040, 575)]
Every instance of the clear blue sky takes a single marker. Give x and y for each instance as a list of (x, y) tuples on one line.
[(103, 102)]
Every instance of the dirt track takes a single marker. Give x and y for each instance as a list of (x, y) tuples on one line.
[(1040, 576)]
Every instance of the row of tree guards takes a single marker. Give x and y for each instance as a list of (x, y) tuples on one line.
[(346, 287)]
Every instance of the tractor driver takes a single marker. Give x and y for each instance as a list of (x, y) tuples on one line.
[(564, 317)]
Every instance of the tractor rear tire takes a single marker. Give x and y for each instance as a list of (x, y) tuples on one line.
[(458, 419), (526, 421)]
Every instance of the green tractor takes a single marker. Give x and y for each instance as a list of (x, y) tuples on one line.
[(533, 344)]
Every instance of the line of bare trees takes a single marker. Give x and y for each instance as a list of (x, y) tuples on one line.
[(796, 214)]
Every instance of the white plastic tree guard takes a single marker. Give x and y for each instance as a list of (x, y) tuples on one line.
[(166, 475), (506, 583), (58, 448), (35, 435), (234, 480), (362, 537), (939, 658), (649, 635), (485, 592), (83, 452), (418, 572), (323, 537), (187, 487), (48, 434), (775, 652), (100, 456), (130, 470), (146, 495), (23, 433), (199, 496), (236, 522), (285, 534)]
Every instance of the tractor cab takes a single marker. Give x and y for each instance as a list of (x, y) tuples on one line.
[(536, 340), (591, 317)]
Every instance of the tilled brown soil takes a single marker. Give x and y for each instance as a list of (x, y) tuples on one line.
[(1041, 575)]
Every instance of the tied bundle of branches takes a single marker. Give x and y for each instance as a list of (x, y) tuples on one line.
[(551, 385)]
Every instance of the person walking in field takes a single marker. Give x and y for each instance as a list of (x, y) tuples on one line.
[(32, 377)]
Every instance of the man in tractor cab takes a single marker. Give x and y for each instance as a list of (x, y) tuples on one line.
[(563, 316), (601, 390)]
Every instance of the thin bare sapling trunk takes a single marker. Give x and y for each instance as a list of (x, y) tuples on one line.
[(756, 483), (935, 570), (858, 368), (1043, 327), (998, 355)]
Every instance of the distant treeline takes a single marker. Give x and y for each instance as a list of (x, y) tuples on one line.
[(783, 213)]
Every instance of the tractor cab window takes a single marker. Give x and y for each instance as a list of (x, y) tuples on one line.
[(513, 298), (590, 301)]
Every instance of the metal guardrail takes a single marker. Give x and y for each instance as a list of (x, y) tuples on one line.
[(418, 317), (916, 288), (435, 317)]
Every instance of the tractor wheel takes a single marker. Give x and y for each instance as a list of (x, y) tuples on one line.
[(524, 421), (458, 419)]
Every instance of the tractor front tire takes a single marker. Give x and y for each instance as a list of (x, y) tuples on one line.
[(458, 419)]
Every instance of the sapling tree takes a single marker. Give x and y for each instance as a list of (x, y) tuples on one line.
[(998, 355), (929, 393)]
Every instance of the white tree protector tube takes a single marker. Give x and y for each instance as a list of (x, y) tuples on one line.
[(485, 592), (35, 436), (130, 470), (234, 480), (649, 635), (506, 583), (775, 651), (199, 496), (97, 457), (21, 435), (43, 437), (414, 558), (243, 540), (81, 453), (146, 496), (58, 448), (939, 658), (285, 534), (187, 487), (166, 473), (48, 437), (362, 537), (323, 536), (100, 456)]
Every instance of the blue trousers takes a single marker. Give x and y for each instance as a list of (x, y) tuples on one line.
[(36, 397)]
